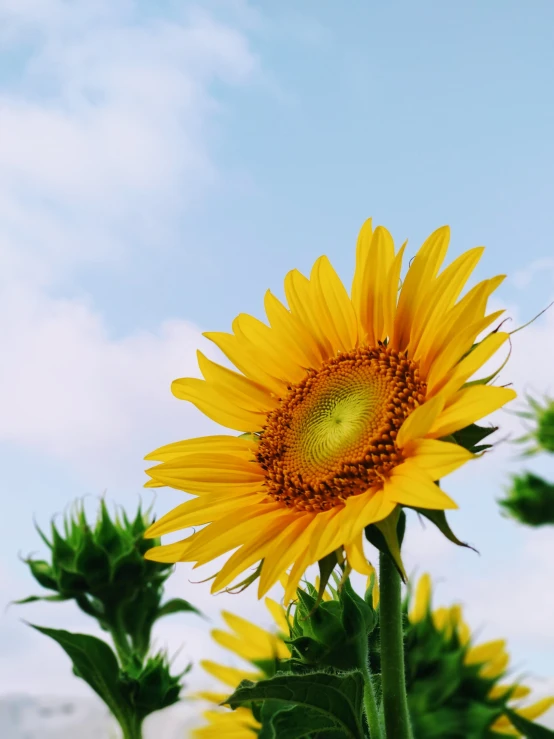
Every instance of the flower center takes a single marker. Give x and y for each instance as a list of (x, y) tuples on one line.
[(333, 435)]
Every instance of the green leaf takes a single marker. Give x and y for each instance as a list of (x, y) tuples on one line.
[(294, 722), (471, 436), (440, 521), (177, 605), (387, 536), (34, 598), (96, 664), (337, 700), (528, 728)]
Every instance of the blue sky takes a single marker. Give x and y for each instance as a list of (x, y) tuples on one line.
[(162, 165)]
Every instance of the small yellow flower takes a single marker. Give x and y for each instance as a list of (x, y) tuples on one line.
[(344, 403)]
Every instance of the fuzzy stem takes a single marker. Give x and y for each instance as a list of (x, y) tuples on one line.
[(395, 702), (370, 706)]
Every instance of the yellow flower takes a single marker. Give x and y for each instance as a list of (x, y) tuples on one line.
[(491, 657), (343, 401), (250, 643)]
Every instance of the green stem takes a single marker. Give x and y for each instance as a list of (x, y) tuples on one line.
[(132, 729), (370, 706), (393, 678)]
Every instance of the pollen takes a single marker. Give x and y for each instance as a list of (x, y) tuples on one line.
[(333, 435)]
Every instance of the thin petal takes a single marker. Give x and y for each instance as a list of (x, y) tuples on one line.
[(422, 599), (356, 556), (245, 392), (253, 550), (468, 366), (228, 675), (241, 446), (271, 357), (335, 306), (244, 360), (167, 552), (217, 405), (420, 421), (199, 511), (414, 291), (284, 550), (416, 489), (437, 458), (303, 304), (292, 333), (279, 615), (468, 406), (375, 285)]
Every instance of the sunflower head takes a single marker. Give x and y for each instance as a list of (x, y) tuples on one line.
[(455, 685), (351, 406)]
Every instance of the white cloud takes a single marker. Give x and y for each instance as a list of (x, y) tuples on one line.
[(104, 137)]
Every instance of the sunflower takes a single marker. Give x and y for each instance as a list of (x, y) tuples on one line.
[(344, 404), (254, 645), (477, 680)]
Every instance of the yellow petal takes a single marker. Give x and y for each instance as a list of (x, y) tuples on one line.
[(422, 599), (437, 458), (375, 287), (414, 291), (228, 675), (335, 306), (285, 549), (253, 550), (444, 292), (167, 552), (236, 445), (468, 366), (231, 531), (244, 392), (264, 342), (197, 512), (279, 615), (293, 335), (416, 489), (356, 556), (420, 421), (536, 709), (362, 255), (245, 360), (485, 652), (468, 310), (501, 691), (468, 406), (217, 405), (303, 304), (203, 472)]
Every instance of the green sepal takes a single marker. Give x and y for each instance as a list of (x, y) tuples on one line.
[(326, 567), (530, 500), (177, 605), (470, 437), (387, 537), (335, 699), (528, 728), (439, 519)]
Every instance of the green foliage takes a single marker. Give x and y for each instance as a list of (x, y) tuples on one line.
[(334, 633), (542, 434), (471, 437), (130, 694), (333, 701), (530, 500), (102, 568)]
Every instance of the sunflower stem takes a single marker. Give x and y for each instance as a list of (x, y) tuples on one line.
[(393, 678), (370, 706)]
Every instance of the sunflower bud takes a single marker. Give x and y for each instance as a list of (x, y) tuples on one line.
[(102, 565), (530, 500), (151, 687)]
